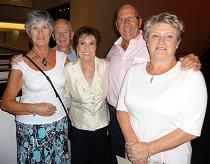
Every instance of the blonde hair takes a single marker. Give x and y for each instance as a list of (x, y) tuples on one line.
[(165, 17)]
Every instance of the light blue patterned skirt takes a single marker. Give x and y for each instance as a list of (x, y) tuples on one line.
[(44, 143)]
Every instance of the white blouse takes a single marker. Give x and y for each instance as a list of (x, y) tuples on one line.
[(36, 89), (88, 109)]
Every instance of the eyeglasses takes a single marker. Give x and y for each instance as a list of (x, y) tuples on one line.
[(62, 32), (130, 19)]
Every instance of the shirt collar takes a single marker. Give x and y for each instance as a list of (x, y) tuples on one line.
[(71, 50), (119, 40)]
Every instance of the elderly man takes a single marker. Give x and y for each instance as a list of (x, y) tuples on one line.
[(130, 48), (62, 35)]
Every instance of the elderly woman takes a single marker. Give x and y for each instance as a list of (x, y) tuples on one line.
[(161, 108), (87, 83), (40, 119)]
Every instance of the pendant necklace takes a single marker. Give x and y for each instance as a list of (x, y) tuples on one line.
[(44, 62), (44, 59)]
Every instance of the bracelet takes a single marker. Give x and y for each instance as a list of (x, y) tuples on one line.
[(33, 110)]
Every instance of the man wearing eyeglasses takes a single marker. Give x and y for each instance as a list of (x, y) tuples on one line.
[(63, 35), (129, 49)]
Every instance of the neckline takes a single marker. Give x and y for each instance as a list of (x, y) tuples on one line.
[(56, 55), (176, 67), (43, 59), (83, 76)]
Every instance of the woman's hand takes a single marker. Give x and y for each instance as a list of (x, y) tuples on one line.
[(138, 152), (44, 109)]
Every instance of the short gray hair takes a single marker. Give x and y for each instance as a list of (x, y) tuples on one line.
[(165, 17), (65, 21), (35, 16)]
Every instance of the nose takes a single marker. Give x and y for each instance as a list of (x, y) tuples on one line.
[(161, 39), (86, 47), (40, 31), (61, 35), (126, 21)]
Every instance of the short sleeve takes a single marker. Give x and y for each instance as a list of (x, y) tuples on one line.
[(20, 66), (194, 109)]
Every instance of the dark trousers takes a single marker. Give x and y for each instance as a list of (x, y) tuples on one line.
[(116, 137), (90, 147)]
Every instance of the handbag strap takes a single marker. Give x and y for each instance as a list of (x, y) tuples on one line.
[(48, 79)]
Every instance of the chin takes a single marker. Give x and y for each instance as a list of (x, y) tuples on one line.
[(87, 58)]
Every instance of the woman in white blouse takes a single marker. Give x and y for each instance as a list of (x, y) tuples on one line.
[(161, 108), (87, 84)]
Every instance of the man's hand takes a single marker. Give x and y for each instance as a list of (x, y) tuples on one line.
[(190, 61), (17, 58)]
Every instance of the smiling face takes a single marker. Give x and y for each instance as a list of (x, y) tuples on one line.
[(162, 42), (62, 35), (40, 33), (128, 22), (86, 48)]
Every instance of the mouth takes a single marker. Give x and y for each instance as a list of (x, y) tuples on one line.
[(40, 38), (61, 40), (128, 29), (87, 53), (160, 48)]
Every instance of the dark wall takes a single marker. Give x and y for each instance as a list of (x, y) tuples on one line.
[(201, 145), (99, 14)]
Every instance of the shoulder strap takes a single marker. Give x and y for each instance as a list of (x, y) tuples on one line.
[(48, 79)]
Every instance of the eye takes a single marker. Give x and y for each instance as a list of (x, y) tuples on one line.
[(120, 20), (45, 27), (92, 43), (132, 19), (65, 32), (154, 36), (34, 27), (81, 43), (169, 36)]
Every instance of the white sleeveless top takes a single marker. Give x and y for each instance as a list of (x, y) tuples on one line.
[(36, 89)]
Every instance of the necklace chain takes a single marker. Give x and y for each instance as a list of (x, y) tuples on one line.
[(44, 59)]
